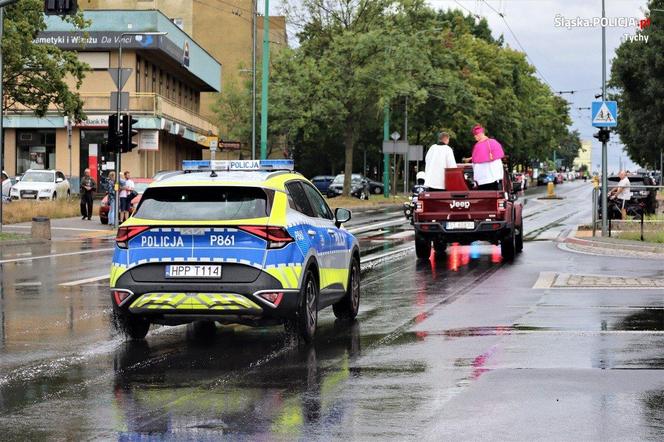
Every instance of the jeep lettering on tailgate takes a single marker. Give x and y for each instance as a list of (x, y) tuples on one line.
[(460, 205)]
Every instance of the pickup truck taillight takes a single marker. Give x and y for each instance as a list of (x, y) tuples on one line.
[(419, 207), (500, 205)]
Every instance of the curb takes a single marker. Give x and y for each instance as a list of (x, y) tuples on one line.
[(23, 242), (604, 245)]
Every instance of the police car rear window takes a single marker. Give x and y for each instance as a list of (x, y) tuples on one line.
[(204, 203)]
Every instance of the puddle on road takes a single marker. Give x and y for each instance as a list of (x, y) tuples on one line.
[(649, 319)]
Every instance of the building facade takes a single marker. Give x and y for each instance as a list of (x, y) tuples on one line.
[(584, 157), (221, 27), (167, 76)]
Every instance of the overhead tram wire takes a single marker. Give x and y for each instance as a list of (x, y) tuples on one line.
[(502, 16), (273, 33)]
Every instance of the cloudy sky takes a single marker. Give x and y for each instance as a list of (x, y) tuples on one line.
[(567, 58)]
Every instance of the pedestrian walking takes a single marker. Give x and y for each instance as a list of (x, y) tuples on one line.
[(126, 194), (439, 157), (487, 161), (88, 187)]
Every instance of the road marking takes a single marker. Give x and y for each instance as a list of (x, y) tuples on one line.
[(84, 281), (567, 281), (56, 255), (545, 280)]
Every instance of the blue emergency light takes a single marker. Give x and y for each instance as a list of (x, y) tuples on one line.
[(236, 165)]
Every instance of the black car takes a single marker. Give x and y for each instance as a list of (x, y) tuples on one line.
[(641, 196), (359, 187), (375, 187), (322, 182)]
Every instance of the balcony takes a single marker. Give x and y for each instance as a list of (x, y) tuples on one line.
[(144, 103)]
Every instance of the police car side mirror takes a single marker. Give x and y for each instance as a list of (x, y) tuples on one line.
[(341, 216)]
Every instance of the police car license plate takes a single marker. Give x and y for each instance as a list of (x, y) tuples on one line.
[(193, 271), (460, 225)]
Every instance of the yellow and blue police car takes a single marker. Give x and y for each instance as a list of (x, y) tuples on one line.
[(247, 242)]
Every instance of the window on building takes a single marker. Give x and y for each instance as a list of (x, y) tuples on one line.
[(168, 86), (154, 78), (96, 60), (138, 74), (145, 76), (161, 82)]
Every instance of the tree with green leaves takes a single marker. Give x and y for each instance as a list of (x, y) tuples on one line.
[(636, 75), (36, 76), (356, 56)]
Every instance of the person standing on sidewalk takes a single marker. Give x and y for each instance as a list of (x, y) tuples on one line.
[(126, 196), (88, 187), (622, 193), (109, 188), (439, 157)]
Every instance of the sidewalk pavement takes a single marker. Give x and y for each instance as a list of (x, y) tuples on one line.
[(583, 241), (66, 229)]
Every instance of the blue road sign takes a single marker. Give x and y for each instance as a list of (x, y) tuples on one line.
[(605, 113)]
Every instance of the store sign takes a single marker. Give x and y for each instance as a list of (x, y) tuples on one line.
[(110, 40), (148, 140), (94, 121)]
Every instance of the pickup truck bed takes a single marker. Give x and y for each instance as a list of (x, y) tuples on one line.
[(463, 215)]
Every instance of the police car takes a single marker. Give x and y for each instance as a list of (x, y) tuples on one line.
[(248, 242)]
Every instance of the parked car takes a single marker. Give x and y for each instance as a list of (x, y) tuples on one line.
[(640, 194), (140, 184), (6, 184), (375, 187), (545, 178), (359, 186), (41, 185), (322, 182)]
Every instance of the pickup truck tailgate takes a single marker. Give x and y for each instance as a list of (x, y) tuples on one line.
[(460, 206)]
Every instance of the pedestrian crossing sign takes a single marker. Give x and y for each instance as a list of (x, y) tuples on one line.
[(605, 113)]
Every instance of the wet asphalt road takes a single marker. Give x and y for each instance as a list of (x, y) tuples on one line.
[(460, 347)]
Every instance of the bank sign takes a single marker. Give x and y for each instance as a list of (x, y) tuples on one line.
[(107, 40)]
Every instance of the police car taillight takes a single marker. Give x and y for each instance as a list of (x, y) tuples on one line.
[(127, 233), (276, 237), (272, 297)]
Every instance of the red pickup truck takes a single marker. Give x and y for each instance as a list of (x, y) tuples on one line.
[(462, 215)]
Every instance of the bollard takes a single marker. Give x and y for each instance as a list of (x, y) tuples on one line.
[(549, 190), (41, 228)]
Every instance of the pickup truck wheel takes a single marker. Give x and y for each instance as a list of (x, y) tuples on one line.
[(439, 247), (422, 246), (519, 239), (508, 247), (347, 308)]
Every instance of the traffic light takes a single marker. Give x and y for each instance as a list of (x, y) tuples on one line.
[(60, 7), (113, 135), (603, 135), (127, 133)]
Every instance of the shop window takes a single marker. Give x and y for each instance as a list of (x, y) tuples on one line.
[(35, 149)]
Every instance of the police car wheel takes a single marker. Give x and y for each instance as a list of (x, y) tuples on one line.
[(304, 323), (349, 305), (130, 326)]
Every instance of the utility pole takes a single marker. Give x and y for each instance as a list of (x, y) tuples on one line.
[(406, 156), (265, 73), (253, 78), (386, 156), (605, 222)]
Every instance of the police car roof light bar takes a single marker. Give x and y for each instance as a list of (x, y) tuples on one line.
[(236, 165)]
